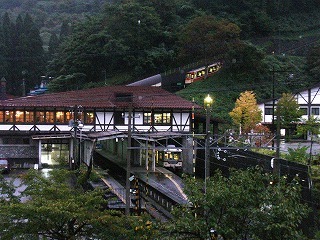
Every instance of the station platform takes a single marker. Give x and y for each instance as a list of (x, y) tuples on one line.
[(161, 179)]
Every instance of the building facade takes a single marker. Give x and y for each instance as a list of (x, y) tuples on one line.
[(50, 128), (308, 100)]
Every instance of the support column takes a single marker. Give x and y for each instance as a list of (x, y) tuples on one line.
[(39, 154), (153, 156)]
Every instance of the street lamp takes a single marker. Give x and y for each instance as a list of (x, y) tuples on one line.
[(213, 234), (208, 101)]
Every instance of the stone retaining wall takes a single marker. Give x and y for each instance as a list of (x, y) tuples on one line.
[(18, 151)]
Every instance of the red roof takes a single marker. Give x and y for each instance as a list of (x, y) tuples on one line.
[(104, 97)]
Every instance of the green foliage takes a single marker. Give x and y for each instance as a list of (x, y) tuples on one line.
[(58, 208), (22, 55), (205, 37), (95, 39), (298, 154), (242, 206), (7, 192), (69, 82), (288, 110), (313, 61)]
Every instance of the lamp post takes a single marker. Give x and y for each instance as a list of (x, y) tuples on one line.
[(213, 234), (207, 105)]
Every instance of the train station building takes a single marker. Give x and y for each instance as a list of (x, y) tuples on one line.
[(47, 129)]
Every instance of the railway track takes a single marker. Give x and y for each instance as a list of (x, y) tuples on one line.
[(154, 200)]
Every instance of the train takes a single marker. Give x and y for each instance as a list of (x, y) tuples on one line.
[(171, 157), (202, 72)]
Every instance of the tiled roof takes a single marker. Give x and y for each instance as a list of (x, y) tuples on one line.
[(104, 97)]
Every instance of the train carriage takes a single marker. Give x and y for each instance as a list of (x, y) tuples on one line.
[(170, 157), (201, 73)]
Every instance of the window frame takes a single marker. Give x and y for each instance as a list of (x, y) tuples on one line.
[(315, 111), (268, 111), (166, 118)]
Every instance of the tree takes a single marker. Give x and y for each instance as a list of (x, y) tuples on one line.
[(53, 45), (246, 113), (65, 30), (67, 83), (288, 112), (58, 208), (125, 37), (242, 206), (311, 128), (205, 37), (313, 61), (23, 52)]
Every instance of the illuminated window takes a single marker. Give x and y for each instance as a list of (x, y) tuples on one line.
[(162, 118), (50, 117), (40, 117), (29, 116), (60, 117), (19, 116), (89, 118), (9, 116), (69, 116), (147, 118), (1, 116), (79, 116)]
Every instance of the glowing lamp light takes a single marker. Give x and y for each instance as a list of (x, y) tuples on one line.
[(208, 101)]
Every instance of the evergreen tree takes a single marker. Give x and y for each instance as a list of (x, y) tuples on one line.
[(22, 53), (8, 53), (34, 54), (53, 45), (65, 30)]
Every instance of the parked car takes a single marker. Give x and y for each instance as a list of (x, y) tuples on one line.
[(4, 166)]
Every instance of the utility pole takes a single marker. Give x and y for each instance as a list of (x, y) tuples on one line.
[(127, 210)]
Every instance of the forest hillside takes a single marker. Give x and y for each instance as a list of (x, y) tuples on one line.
[(81, 44)]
